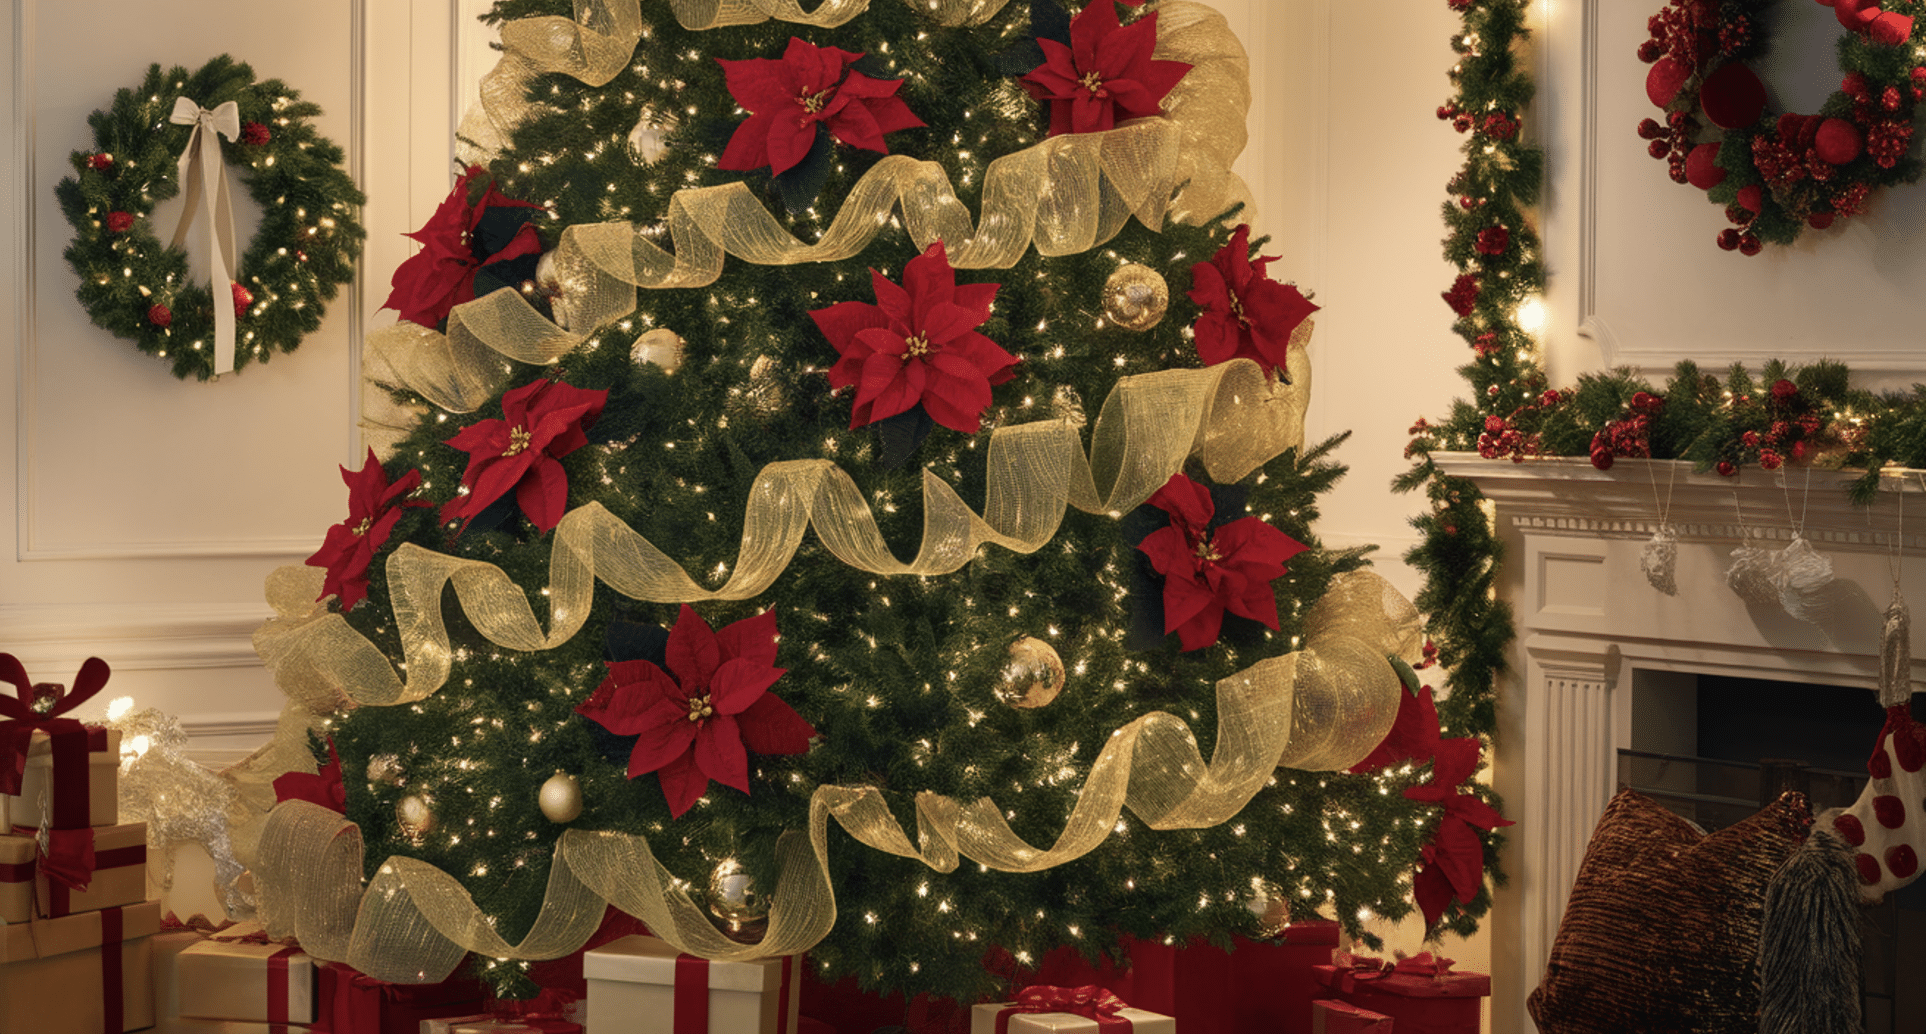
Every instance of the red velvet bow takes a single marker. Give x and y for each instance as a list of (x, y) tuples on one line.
[(66, 856), (1090, 1002), (1425, 964), (16, 731)]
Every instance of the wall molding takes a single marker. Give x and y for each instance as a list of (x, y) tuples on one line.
[(57, 638)]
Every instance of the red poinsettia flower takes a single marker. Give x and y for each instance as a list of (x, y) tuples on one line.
[(697, 721), (1105, 75), (1453, 860), (542, 422), (809, 86), (1210, 570), (1413, 735), (1247, 315), (374, 506), (324, 788), (918, 344), (442, 274)]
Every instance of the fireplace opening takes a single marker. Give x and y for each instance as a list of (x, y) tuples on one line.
[(1714, 749)]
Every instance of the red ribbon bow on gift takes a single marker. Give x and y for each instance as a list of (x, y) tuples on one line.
[(1090, 1002), (1352, 970), (65, 856), (21, 719)]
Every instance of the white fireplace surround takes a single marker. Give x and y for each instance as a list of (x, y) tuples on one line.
[(1588, 621)]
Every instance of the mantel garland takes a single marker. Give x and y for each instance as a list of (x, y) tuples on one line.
[(1776, 174), (137, 286), (1784, 415)]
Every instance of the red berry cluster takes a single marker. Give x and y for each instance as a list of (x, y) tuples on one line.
[(255, 134), (1630, 436), (1487, 344), (1459, 5), (1501, 439), (119, 222), (1687, 31), (1887, 119), (1499, 126), (100, 162), (1671, 141), (1493, 240), (1791, 426)]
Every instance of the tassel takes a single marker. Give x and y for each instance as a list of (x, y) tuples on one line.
[(1809, 950)]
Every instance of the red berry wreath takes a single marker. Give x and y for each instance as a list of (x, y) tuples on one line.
[(1776, 174)]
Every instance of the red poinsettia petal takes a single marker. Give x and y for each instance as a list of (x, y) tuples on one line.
[(626, 701), (683, 783), (841, 322), (494, 477), (1158, 79), (661, 744), (929, 279), (1207, 287), (1461, 855), (396, 494), (749, 147), (752, 638), (789, 141), (526, 242), (738, 682), (956, 410), (1203, 629), (893, 300), (1432, 890), (944, 322), (486, 438), (756, 84), (854, 125), (1091, 114), (978, 299), (1233, 260), (1169, 552), (1254, 543), (1251, 598), (719, 753), (1473, 811), (985, 355), (892, 114), (1088, 31), (1456, 761), (1187, 502), (1413, 735), (771, 726), (890, 385), (542, 494), (955, 377), (693, 653), (517, 402)]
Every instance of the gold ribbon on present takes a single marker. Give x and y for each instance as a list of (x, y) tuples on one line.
[(414, 922), (203, 172)]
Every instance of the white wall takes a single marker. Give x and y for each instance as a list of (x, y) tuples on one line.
[(141, 513)]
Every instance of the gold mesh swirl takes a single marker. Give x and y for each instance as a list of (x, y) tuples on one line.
[(1230, 416), (414, 922)]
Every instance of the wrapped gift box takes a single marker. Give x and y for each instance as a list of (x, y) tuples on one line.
[(1331, 1017), (120, 876), (500, 1025), (1418, 1002), (983, 1020), (167, 947), (83, 973), (1259, 985), (225, 980), (352, 1002), (39, 783), (642, 984)]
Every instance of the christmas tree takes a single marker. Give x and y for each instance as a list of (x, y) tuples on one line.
[(735, 318)]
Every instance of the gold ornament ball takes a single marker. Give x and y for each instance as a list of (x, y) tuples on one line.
[(560, 798), (1135, 297), (647, 142), (660, 346), (415, 814), (1034, 675), (733, 900)]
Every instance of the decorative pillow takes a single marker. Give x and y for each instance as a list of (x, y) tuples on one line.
[(1662, 930)]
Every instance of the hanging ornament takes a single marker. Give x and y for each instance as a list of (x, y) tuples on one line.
[(560, 798), (648, 140), (1268, 903), (1659, 560), (1034, 675), (1135, 297), (1801, 579), (1896, 653), (660, 346), (1753, 574), (415, 815), (763, 394), (733, 900), (386, 768)]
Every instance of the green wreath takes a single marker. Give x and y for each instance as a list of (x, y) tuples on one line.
[(133, 284)]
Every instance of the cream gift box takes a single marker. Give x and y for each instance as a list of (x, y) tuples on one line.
[(36, 783), (87, 972), (983, 1019), (229, 980), (119, 878), (636, 984)]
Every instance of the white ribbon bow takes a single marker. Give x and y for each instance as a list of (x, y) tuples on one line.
[(203, 171)]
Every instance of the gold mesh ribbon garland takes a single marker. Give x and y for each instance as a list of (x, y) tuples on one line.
[(414, 922)]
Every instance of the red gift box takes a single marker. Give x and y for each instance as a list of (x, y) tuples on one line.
[(1421, 994), (1259, 985), (352, 1002), (1329, 1017)]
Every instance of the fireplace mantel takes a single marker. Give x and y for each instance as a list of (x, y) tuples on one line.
[(1588, 619)]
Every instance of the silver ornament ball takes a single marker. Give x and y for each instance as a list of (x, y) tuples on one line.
[(1033, 676), (560, 798), (1135, 297), (646, 141), (660, 346), (386, 768)]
